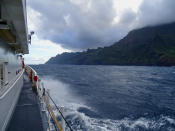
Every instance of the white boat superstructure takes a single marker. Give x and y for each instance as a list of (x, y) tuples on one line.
[(24, 103), (13, 44)]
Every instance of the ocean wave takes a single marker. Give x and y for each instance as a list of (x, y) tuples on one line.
[(81, 121)]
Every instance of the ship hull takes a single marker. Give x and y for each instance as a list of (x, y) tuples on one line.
[(8, 101), (11, 82)]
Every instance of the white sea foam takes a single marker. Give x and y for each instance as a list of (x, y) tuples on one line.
[(59, 91), (126, 123), (63, 96)]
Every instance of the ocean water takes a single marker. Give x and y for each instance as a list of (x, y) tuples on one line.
[(113, 98)]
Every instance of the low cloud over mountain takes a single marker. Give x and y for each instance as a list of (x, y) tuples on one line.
[(82, 24)]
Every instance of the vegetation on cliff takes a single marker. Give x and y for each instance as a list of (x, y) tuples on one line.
[(146, 46)]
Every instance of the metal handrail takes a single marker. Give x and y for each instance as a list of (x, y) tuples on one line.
[(53, 123), (60, 112), (52, 114), (42, 94), (11, 86)]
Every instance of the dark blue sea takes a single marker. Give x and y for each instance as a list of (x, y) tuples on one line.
[(113, 98)]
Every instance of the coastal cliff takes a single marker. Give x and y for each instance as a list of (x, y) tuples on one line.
[(146, 46)]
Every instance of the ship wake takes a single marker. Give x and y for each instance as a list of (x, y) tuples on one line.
[(83, 117)]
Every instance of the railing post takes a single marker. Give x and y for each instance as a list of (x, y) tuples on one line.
[(62, 119), (39, 89), (37, 83), (48, 91), (42, 98)]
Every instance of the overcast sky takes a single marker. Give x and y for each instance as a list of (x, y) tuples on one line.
[(76, 25)]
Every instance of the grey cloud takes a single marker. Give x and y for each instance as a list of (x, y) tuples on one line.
[(79, 25), (154, 12), (127, 20)]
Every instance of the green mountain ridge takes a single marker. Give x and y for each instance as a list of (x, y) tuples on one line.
[(145, 46)]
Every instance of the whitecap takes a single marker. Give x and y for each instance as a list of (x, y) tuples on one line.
[(63, 95)]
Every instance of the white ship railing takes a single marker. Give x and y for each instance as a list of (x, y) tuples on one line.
[(6, 87), (46, 101)]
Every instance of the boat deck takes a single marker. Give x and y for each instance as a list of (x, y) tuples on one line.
[(27, 114)]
